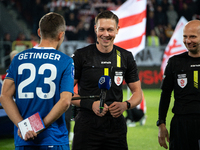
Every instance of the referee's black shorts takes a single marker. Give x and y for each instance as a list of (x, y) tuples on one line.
[(99, 133), (185, 132)]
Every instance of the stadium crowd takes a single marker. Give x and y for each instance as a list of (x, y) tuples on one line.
[(162, 17)]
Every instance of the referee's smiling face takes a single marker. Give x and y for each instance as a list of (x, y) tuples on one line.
[(106, 30), (191, 37)]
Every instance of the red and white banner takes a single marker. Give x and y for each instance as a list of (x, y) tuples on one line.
[(175, 45), (132, 22)]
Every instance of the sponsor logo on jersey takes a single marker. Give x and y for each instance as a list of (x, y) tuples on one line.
[(182, 80), (106, 62), (196, 65)]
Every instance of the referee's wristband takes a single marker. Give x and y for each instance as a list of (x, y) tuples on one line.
[(86, 103)]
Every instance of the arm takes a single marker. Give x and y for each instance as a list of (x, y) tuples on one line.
[(59, 108), (163, 108), (93, 105), (136, 91), (76, 102), (167, 86), (6, 99), (117, 108), (10, 107)]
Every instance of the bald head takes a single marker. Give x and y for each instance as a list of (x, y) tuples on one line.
[(194, 25), (191, 37)]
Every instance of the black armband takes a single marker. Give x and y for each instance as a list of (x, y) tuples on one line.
[(86, 103)]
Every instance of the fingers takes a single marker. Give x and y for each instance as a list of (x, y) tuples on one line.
[(19, 134), (163, 136), (96, 109), (30, 135), (115, 109), (105, 110), (163, 143)]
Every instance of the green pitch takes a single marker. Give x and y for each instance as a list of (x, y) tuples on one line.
[(139, 137)]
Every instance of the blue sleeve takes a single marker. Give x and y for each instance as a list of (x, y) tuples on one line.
[(10, 71), (67, 81)]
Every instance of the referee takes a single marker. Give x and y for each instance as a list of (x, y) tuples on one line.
[(181, 75), (107, 130)]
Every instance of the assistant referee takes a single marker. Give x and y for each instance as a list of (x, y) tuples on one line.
[(181, 75)]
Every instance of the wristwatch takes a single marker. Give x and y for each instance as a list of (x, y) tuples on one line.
[(159, 122), (128, 105)]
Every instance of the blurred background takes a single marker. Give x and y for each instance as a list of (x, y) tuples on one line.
[(19, 23)]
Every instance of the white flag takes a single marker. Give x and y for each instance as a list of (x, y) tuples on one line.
[(175, 45), (132, 22)]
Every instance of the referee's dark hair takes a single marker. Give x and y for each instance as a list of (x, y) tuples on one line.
[(107, 15)]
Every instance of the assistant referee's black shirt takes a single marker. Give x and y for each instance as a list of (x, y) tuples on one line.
[(90, 64), (182, 75)]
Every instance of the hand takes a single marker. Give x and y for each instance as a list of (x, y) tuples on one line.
[(162, 135), (96, 109), (117, 108), (30, 135)]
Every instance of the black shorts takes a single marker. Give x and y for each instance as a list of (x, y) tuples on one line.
[(99, 133), (185, 132)]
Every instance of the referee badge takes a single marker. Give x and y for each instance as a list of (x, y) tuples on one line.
[(118, 80), (182, 80)]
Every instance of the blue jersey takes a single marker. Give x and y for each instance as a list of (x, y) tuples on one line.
[(40, 75)]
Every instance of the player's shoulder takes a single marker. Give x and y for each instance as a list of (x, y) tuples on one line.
[(122, 50), (183, 55), (85, 51), (86, 48)]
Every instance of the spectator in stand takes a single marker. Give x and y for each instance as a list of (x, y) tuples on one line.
[(82, 29), (7, 37), (187, 12), (159, 2), (160, 16), (7, 47), (153, 39), (71, 25), (165, 5), (37, 13), (34, 39), (92, 36), (197, 10), (150, 22), (160, 32), (172, 16), (168, 32), (12, 55), (21, 37), (60, 10), (178, 5)]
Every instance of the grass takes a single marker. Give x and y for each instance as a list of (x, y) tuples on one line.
[(139, 137), (146, 137)]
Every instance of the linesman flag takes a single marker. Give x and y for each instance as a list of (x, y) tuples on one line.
[(132, 22), (175, 45)]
